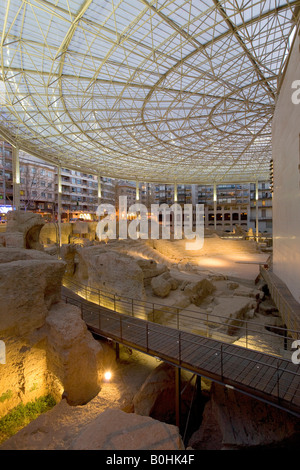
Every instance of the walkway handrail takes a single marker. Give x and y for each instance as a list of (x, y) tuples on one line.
[(116, 326), (150, 309)]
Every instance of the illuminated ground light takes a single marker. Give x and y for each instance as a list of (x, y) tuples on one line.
[(107, 376)]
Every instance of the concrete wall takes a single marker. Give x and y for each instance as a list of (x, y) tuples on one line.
[(286, 199)]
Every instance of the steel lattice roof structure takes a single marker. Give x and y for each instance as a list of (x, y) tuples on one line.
[(153, 90)]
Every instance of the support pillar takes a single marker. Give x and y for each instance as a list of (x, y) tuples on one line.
[(175, 193), (16, 178), (3, 172), (99, 190), (137, 194), (59, 203), (215, 206), (256, 209), (177, 395)]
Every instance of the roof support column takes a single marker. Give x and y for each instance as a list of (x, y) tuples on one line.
[(16, 178), (256, 209), (59, 191), (99, 190), (175, 193), (137, 194), (215, 206)]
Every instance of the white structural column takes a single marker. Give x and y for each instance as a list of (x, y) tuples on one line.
[(256, 208), (99, 190), (215, 206), (137, 194), (175, 193), (16, 178), (59, 191)]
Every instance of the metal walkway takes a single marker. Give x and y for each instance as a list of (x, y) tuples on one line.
[(268, 378)]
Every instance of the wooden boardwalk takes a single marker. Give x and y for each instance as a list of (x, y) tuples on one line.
[(268, 378)]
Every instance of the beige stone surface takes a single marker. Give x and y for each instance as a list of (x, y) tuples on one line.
[(101, 268), (73, 357), (151, 269), (161, 286), (156, 397), (23, 230), (49, 233), (117, 430), (198, 291), (59, 428), (229, 309), (244, 422), (48, 347), (29, 286)]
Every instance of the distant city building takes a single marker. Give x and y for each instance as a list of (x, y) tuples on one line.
[(265, 210), (6, 176), (235, 205), (39, 187)]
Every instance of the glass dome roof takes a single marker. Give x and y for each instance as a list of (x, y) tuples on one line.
[(158, 91)]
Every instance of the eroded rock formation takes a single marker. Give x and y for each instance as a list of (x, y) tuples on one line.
[(232, 420), (23, 230), (156, 398), (115, 429), (48, 347)]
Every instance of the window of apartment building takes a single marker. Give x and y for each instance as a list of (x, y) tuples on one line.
[(22, 180), (42, 172), (219, 216), (227, 216), (43, 194), (78, 181), (49, 185), (49, 196), (33, 170), (211, 217), (34, 193), (263, 213), (244, 216), (50, 174), (235, 216), (43, 183)]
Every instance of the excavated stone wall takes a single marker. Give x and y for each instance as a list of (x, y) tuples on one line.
[(47, 345)]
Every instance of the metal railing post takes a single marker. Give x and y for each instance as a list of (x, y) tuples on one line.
[(179, 346), (222, 369), (147, 333), (206, 324), (278, 378)]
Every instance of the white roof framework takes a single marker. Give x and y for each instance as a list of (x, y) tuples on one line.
[(155, 90)]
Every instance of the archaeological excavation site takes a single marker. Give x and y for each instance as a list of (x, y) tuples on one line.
[(149, 226)]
